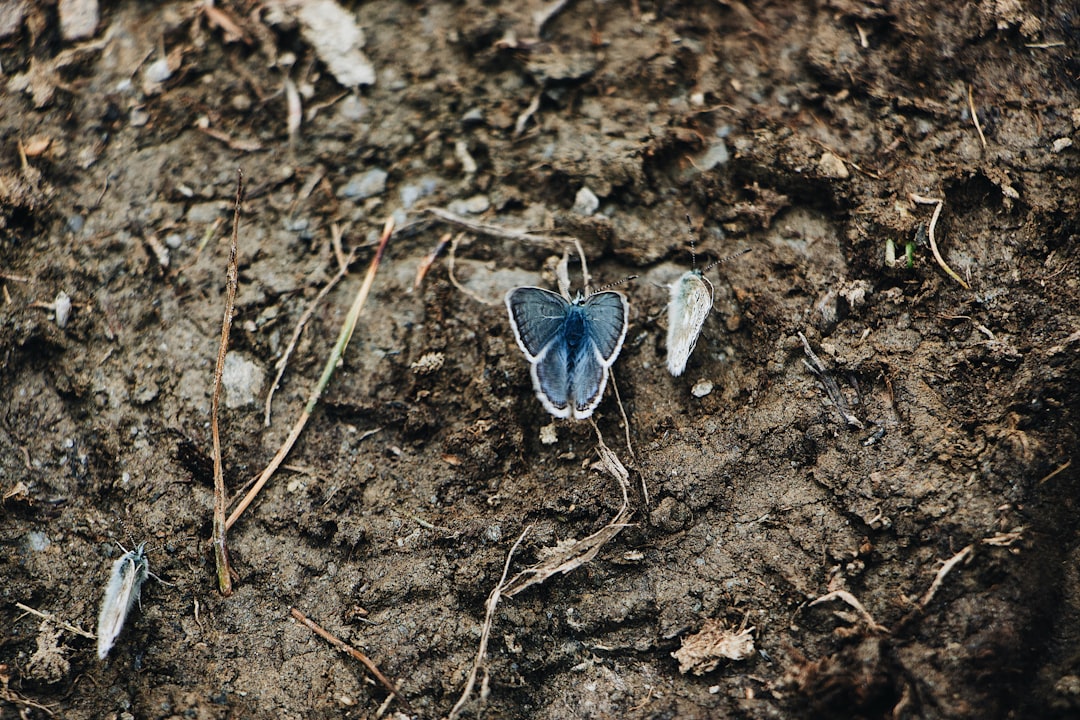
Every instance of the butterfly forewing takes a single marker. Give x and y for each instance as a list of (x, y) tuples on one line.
[(536, 316), (608, 312)]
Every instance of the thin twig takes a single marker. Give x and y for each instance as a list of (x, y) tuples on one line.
[(523, 118), (928, 596), (218, 540), (350, 650), (495, 231), (328, 370), (343, 270), (626, 430), (450, 265), (933, 241), (429, 260), (54, 619), (940, 577), (586, 278), (975, 118), (1055, 472), (852, 601), (485, 632)]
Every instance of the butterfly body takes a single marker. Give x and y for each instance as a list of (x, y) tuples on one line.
[(690, 303), (569, 344)]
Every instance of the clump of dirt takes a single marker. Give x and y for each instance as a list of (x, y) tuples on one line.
[(938, 510)]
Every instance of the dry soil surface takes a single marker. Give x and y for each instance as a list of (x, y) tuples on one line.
[(929, 501)]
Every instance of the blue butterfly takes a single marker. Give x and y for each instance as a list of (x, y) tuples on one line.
[(570, 345)]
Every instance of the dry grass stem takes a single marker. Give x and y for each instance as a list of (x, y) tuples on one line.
[(523, 118), (429, 260), (350, 650), (940, 577), (343, 270), (450, 259), (218, 539), (975, 118), (626, 432), (496, 231), (933, 240), (572, 555), (485, 632), (57, 621), (344, 336), (853, 602), (1061, 468)]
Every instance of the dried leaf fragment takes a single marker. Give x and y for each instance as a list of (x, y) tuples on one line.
[(702, 652)]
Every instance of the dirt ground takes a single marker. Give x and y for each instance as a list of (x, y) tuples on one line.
[(937, 523)]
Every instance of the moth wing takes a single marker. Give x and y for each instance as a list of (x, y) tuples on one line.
[(607, 314), (691, 301), (551, 379), (536, 316), (117, 602)]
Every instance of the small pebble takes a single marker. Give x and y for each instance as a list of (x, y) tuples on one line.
[(158, 71), (204, 213), (585, 202), (833, 167), (78, 18), (472, 206), (242, 379), (717, 154), (701, 388), (365, 185)]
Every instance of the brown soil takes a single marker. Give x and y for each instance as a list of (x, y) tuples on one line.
[(798, 130)]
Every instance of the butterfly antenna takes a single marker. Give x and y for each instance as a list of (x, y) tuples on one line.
[(724, 259), (615, 284), (690, 232)]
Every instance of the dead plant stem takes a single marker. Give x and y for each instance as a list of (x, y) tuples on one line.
[(344, 336)]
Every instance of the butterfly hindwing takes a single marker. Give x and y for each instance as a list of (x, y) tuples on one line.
[(551, 379), (587, 383)]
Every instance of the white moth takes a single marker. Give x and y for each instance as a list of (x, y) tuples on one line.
[(691, 301), (128, 575)]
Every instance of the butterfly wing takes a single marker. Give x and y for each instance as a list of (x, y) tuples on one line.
[(607, 314), (606, 322), (587, 383), (550, 375), (536, 316), (691, 301)]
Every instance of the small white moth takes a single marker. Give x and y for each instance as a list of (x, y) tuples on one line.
[(691, 301), (128, 575)]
